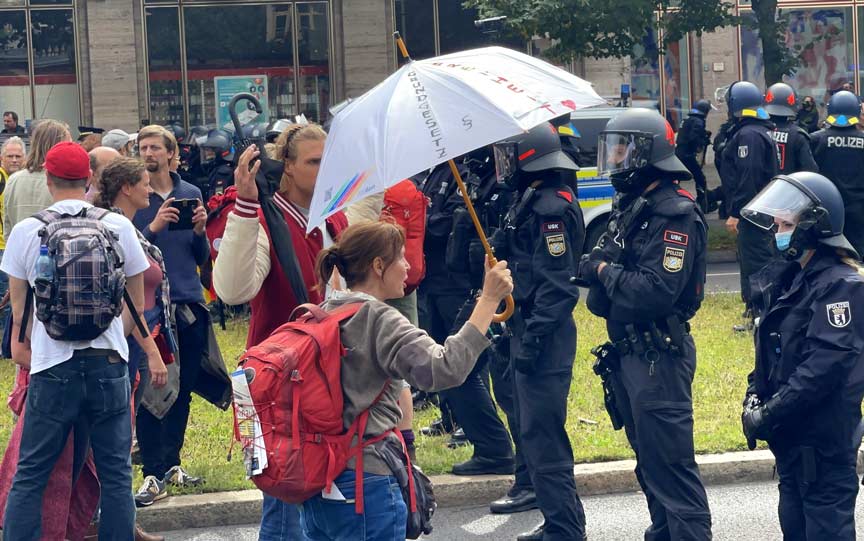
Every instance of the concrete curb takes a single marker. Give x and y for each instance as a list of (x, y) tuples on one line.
[(244, 506)]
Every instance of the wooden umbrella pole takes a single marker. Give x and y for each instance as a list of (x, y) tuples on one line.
[(510, 305)]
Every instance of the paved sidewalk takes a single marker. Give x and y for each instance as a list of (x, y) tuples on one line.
[(244, 507)]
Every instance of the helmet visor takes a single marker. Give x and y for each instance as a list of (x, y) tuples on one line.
[(505, 160), (620, 151), (779, 202)]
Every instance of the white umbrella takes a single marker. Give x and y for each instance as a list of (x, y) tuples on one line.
[(431, 111)]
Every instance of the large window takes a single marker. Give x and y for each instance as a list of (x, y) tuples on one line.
[(824, 40), (38, 61), (420, 21), (280, 52)]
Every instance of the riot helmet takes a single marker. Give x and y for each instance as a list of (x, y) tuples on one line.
[(803, 210), (844, 109), (533, 152), (744, 100), (701, 108), (781, 100), (255, 130), (217, 145), (633, 143), (197, 135), (275, 129), (178, 132)]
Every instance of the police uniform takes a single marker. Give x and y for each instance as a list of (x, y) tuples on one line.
[(839, 151), (793, 147), (809, 345), (652, 285), (749, 161), (542, 237), (692, 140)]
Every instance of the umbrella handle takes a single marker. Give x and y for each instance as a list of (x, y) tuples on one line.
[(510, 305)]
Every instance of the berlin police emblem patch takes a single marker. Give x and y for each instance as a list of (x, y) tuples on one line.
[(673, 259), (839, 314), (555, 244)]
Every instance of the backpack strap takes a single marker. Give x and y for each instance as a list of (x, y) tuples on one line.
[(28, 307), (136, 317), (47, 216), (358, 427)]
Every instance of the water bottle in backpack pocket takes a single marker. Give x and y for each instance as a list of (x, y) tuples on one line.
[(80, 283)]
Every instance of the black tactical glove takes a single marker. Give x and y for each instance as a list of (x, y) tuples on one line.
[(750, 401), (526, 360), (588, 265), (759, 422)]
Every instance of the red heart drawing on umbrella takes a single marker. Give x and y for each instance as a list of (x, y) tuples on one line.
[(569, 104)]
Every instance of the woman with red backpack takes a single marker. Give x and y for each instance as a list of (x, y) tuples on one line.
[(247, 269), (383, 347)]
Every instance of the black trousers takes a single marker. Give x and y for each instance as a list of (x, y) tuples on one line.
[(161, 440), (692, 165), (538, 423), (471, 403), (756, 249), (818, 506), (658, 419)]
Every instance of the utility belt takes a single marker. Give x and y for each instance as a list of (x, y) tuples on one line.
[(650, 339)]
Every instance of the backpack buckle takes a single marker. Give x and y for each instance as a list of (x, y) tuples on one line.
[(295, 376)]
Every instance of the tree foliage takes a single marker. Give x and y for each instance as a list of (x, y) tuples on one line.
[(605, 28)]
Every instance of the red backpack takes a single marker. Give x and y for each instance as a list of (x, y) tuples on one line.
[(405, 205), (296, 388)]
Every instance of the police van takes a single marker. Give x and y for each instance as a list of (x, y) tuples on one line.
[(594, 192)]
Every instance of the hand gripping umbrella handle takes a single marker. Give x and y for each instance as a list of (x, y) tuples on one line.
[(510, 305)]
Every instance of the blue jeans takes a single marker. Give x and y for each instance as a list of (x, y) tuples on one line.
[(384, 511), (87, 389), (280, 521)]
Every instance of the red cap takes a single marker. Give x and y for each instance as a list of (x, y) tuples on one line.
[(68, 160)]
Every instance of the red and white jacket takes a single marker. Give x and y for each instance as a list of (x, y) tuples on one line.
[(250, 272)]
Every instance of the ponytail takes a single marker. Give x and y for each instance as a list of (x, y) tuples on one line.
[(358, 247), (845, 257), (328, 259)]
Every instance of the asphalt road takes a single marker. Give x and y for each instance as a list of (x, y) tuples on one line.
[(746, 511), (723, 277)]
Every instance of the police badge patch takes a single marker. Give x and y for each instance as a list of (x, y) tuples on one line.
[(839, 314), (673, 259), (556, 245), (742, 151)]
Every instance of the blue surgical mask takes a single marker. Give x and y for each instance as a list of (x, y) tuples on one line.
[(783, 240)]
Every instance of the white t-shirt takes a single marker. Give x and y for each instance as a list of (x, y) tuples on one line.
[(19, 261)]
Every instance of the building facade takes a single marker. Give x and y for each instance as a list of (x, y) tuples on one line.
[(121, 63)]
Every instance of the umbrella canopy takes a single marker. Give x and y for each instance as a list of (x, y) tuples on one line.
[(434, 110)]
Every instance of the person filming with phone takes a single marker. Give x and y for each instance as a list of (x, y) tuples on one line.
[(174, 222)]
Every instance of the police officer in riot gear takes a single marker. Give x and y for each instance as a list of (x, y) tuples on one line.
[(793, 142), (275, 129), (217, 153), (542, 236), (748, 163), (839, 151), (804, 394), (693, 139), (646, 278)]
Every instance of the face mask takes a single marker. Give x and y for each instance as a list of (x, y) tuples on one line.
[(783, 240)]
